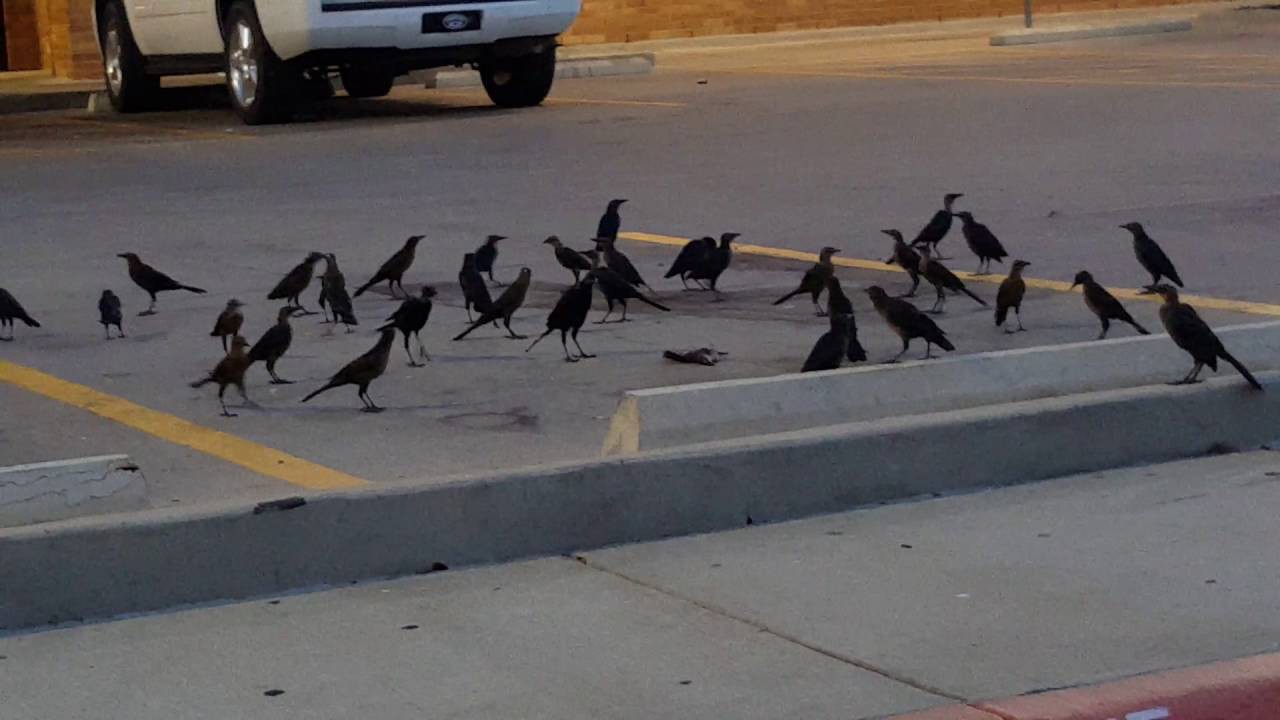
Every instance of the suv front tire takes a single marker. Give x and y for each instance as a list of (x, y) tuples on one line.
[(129, 87), (519, 81), (258, 81)]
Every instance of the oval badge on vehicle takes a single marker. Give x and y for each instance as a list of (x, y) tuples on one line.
[(453, 22)]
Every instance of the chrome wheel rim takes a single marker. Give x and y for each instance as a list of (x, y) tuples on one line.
[(242, 65), (111, 54)]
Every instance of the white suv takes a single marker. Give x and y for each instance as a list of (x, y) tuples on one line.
[(277, 52)]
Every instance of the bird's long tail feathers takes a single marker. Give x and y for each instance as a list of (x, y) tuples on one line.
[(328, 386), (1173, 275), (941, 341), (539, 339), (347, 318), (1240, 368), (482, 320), (674, 271), (1141, 330), (360, 290), (201, 382), (388, 326), (856, 353), (658, 305), (787, 297), (979, 300), (196, 290), (1002, 312), (30, 321)]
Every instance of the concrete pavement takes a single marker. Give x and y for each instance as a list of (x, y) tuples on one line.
[(857, 615)]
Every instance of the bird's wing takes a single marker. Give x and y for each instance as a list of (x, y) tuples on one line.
[(269, 340), (1154, 258), (826, 353), (1010, 293), (1191, 333), (156, 278)]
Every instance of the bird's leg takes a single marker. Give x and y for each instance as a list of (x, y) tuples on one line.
[(1190, 377), (422, 348), (469, 318), (582, 353), (412, 362), (224, 343), (1151, 289), (221, 401), (979, 270), (108, 329), (905, 345), (495, 282), (151, 309), (1106, 325), (624, 312), (937, 255), (928, 350), (684, 281), (1018, 311), (607, 313), (565, 345), (507, 321), (817, 309), (370, 405), (276, 379)]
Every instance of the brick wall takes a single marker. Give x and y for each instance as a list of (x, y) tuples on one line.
[(22, 38), (68, 46), (631, 20)]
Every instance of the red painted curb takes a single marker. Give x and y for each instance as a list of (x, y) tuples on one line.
[(1246, 689)]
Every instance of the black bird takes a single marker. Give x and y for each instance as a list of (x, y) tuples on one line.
[(486, 254), (1194, 335), (829, 351), (569, 259), (230, 370), (942, 280), (362, 371), (229, 322), (153, 281), (274, 343), (1010, 295), (505, 306), (717, 263), (10, 310), (938, 226), (908, 323), (616, 289), (296, 281), (340, 304), (906, 258), (110, 313), (394, 268), (619, 263), (839, 304), (410, 318), (568, 316), (332, 281), (1151, 257), (1104, 304), (814, 280), (474, 291), (610, 221), (693, 256), (982, 242)]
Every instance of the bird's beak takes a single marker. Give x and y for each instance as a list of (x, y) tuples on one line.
[(1074, 285)]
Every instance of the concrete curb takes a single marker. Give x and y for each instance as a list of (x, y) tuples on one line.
[(657, 418), (1033, 36), (105, 566), (13, 103), (1245, 689), (44, 492), (574, 67)]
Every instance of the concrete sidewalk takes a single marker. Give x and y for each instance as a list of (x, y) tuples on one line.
[(857, 615)]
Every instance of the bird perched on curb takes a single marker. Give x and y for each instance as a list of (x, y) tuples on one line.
[(410, 318), (619, 263), (569, 259), (938, 226), (331, 281), (505, 306), (475, 293), (839, 304), (942, 280), (153, 281), (229, 371), (610, 222), (10, 310), (1151, 257), (110, 312), (716, 264), (982, 242), (393, 270), (274, 343), (487, 255), (616, 289), (691, 256), (229, 322), (906, 258), (1104, 304), (568, 316), (829, 351), (1010, 295), (814, 280), (908, 323), (362, 371), (1189, 332), (295, 282)]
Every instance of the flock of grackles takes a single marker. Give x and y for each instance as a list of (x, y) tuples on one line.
[(607, 269)]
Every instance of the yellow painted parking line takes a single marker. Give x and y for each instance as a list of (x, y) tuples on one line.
[(1201, 301), (631, 103), (247, 454)]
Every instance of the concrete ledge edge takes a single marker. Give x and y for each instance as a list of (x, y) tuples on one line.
[(1060, 34)]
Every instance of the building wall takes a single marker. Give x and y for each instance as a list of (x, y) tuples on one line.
[(22, 37)]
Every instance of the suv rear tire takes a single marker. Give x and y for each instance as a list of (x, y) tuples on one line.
[(519, 81), (261, 85), (367, 82), (129, 87)]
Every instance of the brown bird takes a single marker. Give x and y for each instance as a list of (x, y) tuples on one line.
[(10, 310), (394, 268), (110, 312), (274, 343), (1104, 305), (906, 258), (153, 281), (1010, 295), (814, 280), (908, 323), (505, 306), (331, 280), (228, 322), (569, 259), (229, 371), (942, 280), (1194, 335), (295, 282), (362, 371)]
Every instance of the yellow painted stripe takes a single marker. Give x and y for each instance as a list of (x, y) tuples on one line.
[(1047, 80), (258, 458), (1201, 301)]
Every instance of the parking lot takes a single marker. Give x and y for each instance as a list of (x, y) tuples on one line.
[(795, 147)]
